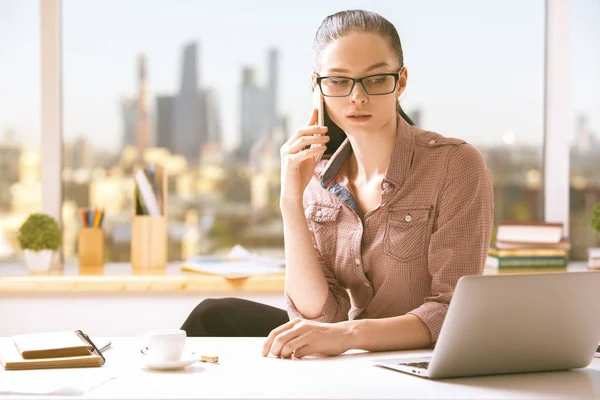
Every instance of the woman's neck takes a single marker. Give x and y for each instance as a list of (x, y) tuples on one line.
[(371, 153)]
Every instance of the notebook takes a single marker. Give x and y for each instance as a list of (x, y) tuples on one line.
[(52, 344), (45, 347)]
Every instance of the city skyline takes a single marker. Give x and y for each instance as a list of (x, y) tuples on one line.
[(441, 88)]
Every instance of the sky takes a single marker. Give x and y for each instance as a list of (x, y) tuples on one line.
[(475, 67)]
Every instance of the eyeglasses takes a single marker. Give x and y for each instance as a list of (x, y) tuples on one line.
[(342, 86)]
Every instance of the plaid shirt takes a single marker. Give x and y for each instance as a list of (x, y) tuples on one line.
[(404, 257)]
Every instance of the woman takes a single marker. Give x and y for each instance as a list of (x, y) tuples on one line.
[(378, 234)]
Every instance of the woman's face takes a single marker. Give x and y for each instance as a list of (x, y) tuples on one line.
[(356, 55)]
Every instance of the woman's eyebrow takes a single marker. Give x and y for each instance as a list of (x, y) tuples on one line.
[(372, 67)]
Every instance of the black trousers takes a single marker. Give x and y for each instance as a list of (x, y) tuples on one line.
[(233, 317)]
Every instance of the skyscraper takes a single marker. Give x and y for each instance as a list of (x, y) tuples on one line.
[(190, 119), (143, 120), (259, 111), (164, 121), (214, 137), (130, 117), (255, 119), (189, 113), (273, 87)]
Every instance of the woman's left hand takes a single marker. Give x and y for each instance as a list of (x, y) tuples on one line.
[(301, 338)]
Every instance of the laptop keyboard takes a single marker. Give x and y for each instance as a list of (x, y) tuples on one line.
[(422, 365)]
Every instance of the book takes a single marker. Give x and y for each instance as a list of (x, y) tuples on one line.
[(52, 344), (11, 358), (527, 252), (564, 244), (147, 195), (529, 232), (526, 262), (152, 178)]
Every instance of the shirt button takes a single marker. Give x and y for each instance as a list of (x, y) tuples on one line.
[(408, 218), (386, 185), (318, 213), (431, 142), (356, 261)]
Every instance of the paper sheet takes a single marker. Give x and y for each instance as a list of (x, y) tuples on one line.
[(53, 385), (246, 264)]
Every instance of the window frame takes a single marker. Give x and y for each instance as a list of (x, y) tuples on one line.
[(556, 97)]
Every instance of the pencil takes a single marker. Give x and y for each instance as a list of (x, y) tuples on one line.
[(82, 217), (96, 219)]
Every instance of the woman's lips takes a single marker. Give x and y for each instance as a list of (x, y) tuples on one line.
[(361, 118)]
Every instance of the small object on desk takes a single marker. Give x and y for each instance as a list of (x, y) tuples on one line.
[(239, 263), (149, 237), (52, 344), (209, 359), (90, 241), (594, 258), (47, 346)]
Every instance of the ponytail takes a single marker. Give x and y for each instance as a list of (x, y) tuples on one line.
[(400, 111)]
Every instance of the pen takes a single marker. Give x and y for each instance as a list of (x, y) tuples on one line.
[(218, 259)]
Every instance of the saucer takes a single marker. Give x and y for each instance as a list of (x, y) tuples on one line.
[(186, 360)]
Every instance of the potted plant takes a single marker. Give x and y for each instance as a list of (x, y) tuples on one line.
[(39, 237), (594, 253)]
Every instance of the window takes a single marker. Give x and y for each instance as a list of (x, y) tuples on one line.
[(20, 186), (476, 72), (585, 147), (211, 95)]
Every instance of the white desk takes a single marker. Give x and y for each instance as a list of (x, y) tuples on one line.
[(243, 373), (35, 303)]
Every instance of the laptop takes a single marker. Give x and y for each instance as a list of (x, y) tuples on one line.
[(501, 324)]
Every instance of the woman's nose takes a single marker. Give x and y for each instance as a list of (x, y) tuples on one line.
[(358, 94)]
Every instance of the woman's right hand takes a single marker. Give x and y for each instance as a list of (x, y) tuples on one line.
[(298, 159)]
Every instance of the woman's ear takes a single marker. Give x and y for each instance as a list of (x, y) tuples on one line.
[(313, 78), (401, 82)]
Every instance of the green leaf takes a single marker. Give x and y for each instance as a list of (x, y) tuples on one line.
[(596, 219), (39, 232)]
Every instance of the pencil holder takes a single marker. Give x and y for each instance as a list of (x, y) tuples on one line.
[(149, 242), (149, 232), (91, 247)]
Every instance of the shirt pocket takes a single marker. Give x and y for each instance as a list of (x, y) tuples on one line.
[(322, 221), (406, 232)]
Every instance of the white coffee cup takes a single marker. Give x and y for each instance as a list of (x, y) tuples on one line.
[(164, 344)]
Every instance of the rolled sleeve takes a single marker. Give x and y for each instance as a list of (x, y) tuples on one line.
[(336, 306), (461, 235)]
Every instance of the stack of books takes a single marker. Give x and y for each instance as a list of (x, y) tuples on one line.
[(65, 349), (524, 245)]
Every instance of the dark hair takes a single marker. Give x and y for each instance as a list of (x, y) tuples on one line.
[(341, 23)]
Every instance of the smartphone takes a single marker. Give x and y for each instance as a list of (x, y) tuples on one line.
[(318, 104), (335, 133)]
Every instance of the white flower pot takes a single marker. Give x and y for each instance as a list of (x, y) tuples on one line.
[(38, 261), (594, 258)]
